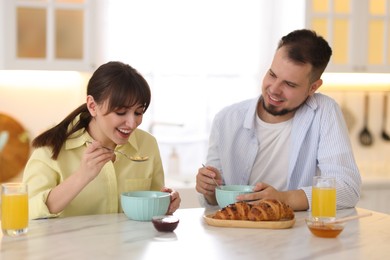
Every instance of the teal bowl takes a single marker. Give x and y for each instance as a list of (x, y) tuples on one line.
[(144, 205), (227, 194)]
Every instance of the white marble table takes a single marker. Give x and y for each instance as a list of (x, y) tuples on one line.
[(116, 237)]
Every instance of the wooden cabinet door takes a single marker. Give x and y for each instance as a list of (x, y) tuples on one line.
[(358, 32), (50, 34)]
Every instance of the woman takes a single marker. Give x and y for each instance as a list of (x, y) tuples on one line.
[(74, 169)]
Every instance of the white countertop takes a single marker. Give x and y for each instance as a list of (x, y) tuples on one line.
[(114, 236)]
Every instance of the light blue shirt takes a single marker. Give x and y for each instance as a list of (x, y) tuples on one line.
[(320, 145)]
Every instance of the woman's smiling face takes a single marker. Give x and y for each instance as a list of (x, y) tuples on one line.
[(114, 127), (286, 86)]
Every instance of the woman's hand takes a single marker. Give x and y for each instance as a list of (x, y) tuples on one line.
[(175, 200), (205, 183), (93, 160)]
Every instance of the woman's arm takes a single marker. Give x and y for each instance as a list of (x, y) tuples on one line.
[(93, 160)]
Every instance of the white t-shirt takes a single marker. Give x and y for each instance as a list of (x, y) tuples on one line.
[(271, 164)]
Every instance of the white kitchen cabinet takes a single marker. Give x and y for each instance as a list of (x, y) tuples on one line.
[(357, 30), (48, 34)]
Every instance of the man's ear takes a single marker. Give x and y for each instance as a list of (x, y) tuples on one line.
[(91, 105), (314, 86)]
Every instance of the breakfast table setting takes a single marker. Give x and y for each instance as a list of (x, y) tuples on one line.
[(115, 236), (233, 229)]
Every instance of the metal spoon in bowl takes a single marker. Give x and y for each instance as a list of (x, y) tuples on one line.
[(216, 183)]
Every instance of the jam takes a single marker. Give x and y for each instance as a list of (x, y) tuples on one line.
[(165, 223)]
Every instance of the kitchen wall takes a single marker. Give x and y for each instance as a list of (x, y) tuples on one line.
[(40, 99)]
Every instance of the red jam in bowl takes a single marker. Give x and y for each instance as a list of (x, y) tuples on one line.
[(166, 223)]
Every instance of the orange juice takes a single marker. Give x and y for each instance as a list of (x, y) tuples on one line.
[(14, 211), (324, 202)]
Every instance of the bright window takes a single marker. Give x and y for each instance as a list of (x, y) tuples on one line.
[(198, 56)]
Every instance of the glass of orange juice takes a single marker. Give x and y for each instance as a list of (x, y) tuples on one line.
[(14, 209), (323, 203)]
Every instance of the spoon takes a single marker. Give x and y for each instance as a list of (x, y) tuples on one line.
[(365, 136), (132, 158), (216, 183), (385, 135), (345, 219)]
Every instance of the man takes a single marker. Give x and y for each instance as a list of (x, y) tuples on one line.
[(280, 140)]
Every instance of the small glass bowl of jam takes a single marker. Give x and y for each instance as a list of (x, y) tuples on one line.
[(165, 223), (323, 228)]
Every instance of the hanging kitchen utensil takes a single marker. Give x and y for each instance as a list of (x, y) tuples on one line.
[(385, 135), (365, 135)]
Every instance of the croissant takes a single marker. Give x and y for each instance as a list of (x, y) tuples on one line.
[(264, 210), (236, 211)]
